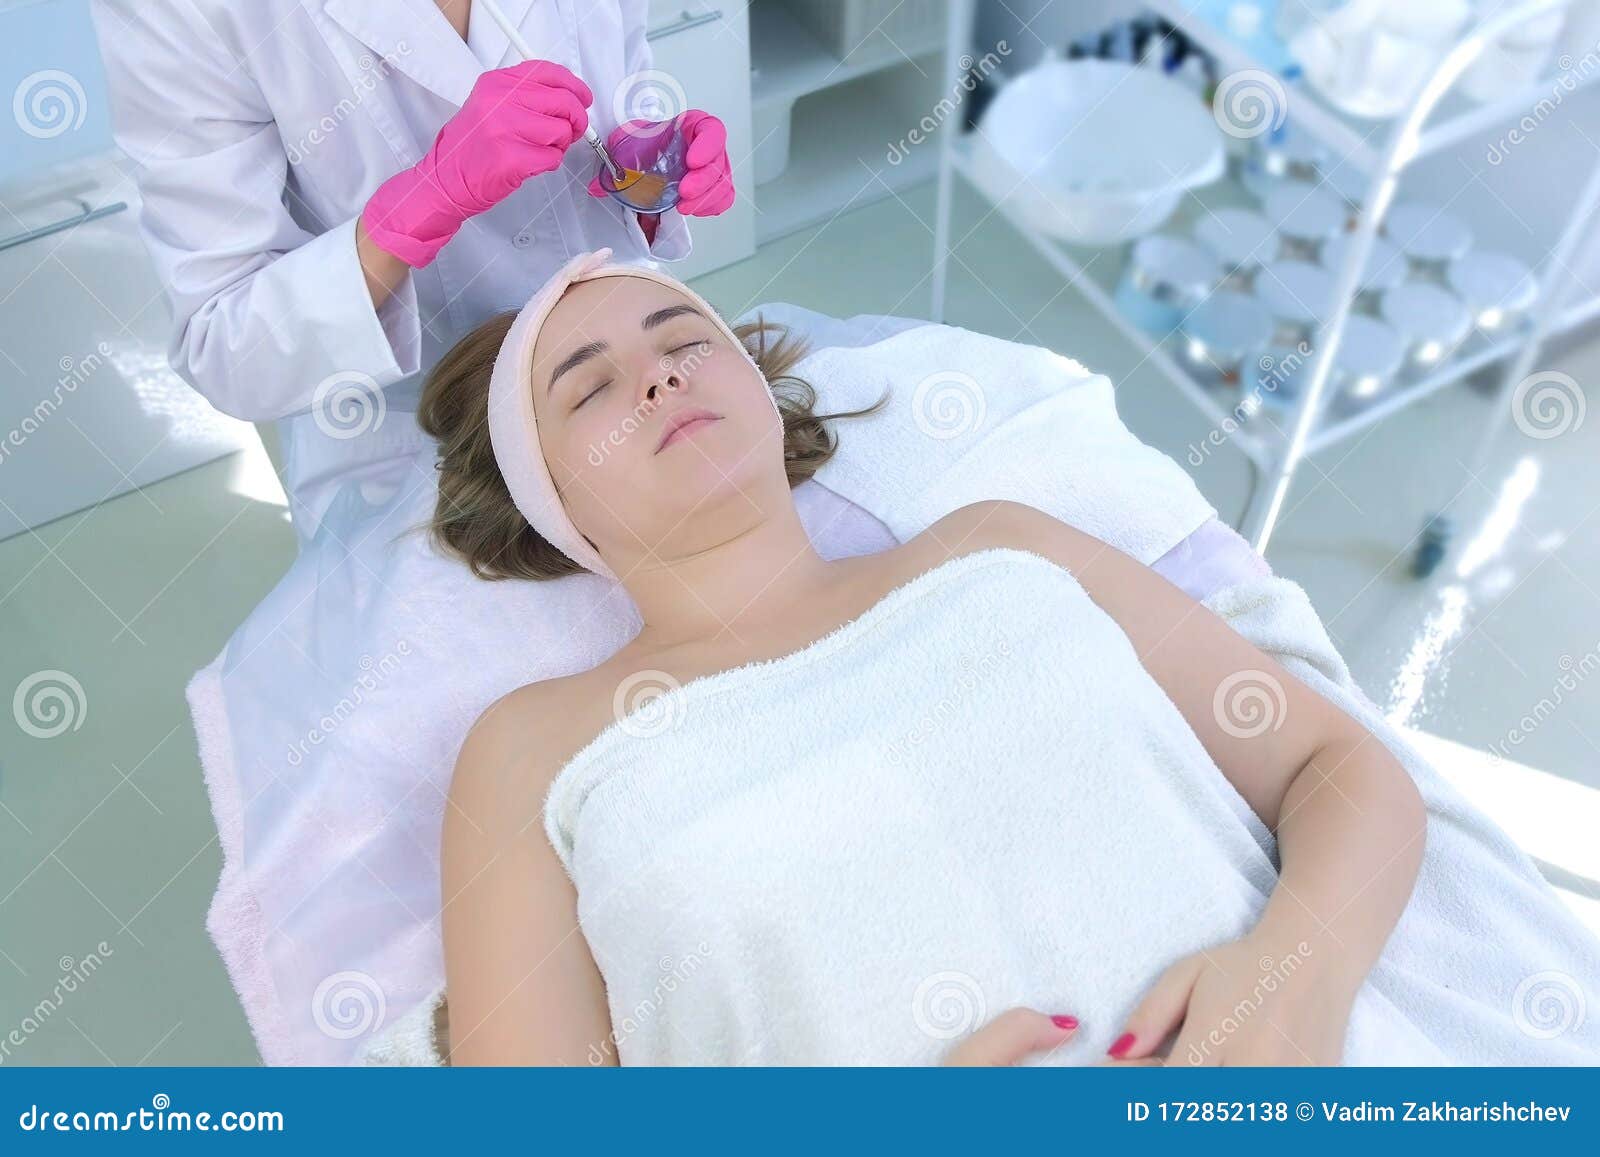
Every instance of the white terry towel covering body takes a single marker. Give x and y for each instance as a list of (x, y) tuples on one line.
[(1482, 924), (970, 797)]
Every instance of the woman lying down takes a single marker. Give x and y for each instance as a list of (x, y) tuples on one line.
[(985, 797)]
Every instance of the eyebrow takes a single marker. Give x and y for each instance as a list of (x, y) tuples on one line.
[(594, 349)]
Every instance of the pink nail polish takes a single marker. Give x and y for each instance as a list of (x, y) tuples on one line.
[(1123, 1044), (1064, 1021)]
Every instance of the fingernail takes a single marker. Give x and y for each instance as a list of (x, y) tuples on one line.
[(1064, 1021), (1124, 1043)]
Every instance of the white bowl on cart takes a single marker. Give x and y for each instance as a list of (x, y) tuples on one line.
[(1094, 152)]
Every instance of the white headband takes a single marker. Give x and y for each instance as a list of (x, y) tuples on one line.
[(513, 430)]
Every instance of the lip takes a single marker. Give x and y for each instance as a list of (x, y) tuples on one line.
[(689, 416)]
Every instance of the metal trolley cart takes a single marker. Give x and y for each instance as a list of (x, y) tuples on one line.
[(1276, 454)]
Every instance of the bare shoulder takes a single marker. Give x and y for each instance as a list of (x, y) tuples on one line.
[(1002, 523), (516, 747)]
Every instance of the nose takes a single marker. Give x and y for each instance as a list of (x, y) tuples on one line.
[(673, 381)]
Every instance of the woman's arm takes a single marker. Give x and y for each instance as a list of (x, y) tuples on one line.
[(521, 984), (1349, 821), (264, 311)]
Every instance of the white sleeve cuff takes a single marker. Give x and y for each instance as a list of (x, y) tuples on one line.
[(389, 336)]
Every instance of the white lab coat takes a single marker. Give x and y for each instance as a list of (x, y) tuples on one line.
[(262, 128)]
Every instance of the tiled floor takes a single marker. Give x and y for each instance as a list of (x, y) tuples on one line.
[(108, 855)]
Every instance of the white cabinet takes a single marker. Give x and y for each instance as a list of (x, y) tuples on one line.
[(841, 119), (89, 407), (704, 49)]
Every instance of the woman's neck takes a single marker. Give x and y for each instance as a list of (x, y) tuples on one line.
[(741, 585)]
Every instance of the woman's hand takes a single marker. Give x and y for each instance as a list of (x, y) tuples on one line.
[(1247, 1002), (1010, 1037), (516, 123), (707, 185)]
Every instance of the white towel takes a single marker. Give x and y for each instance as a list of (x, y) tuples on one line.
[(1483, 930), (964, 403), (972, 796)]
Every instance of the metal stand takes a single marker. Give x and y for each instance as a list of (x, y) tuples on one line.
[(1277, 466)]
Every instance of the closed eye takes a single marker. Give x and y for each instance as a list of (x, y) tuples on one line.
[(593, 392), (702, 345)]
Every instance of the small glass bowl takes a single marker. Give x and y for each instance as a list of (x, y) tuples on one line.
[(1386, 268), (1306, 216), (1429, 236), (1300, 296), (1222, 334), (654, 147), (1164, 279), (1497, 288), (1241, 240), (1431, 321)]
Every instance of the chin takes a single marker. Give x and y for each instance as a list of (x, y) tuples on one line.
[(722, 471), (697, 479)]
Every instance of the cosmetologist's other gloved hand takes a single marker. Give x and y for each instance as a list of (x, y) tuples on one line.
[(707, 185)]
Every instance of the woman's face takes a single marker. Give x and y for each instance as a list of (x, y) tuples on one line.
[(617, 360)]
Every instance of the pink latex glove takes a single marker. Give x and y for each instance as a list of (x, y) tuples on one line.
[(707, 185), (516, 123)]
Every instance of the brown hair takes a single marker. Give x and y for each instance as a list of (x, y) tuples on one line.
[(475, 518)]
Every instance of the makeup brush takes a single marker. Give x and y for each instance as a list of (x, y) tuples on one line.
[(642, 188)]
